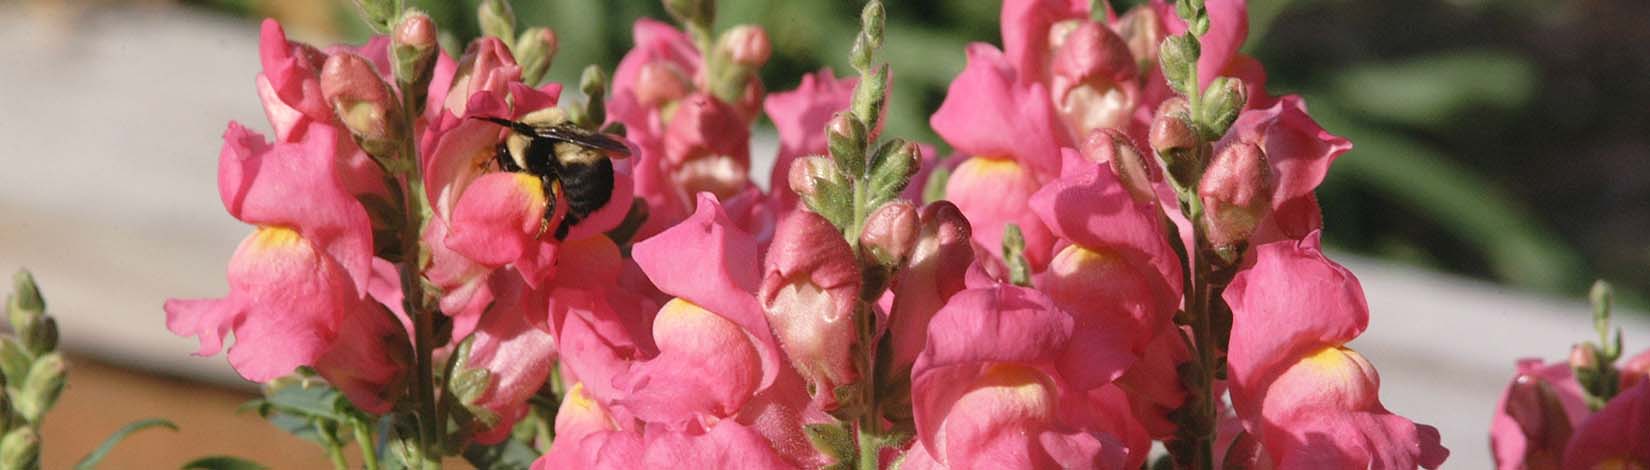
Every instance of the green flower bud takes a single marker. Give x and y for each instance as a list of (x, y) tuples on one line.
[(534, 51), (497, 19), (20, 449), (692, 11), (412, 52), (823, 188), (377, 13), (872, 20), (1014, 247), (593, 82), (42, 387), (1176, 141), (26, 295), (1222, 103), (1177, 54), (895, 162), (14, 360), (845, 139), (869, 98), (42, 337)]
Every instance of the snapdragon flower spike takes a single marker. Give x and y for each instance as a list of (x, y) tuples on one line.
[(1228, 29), (801, 116), (810, 289), (1536, 416), (1007, 130), (1311, 401), (303, 269), (1001, 381), (1298, 153), (716, 350)]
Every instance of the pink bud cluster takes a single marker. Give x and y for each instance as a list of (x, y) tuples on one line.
[(736, 320)]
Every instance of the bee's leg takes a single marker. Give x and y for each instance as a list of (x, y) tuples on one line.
[(549, 185), (567, 223)]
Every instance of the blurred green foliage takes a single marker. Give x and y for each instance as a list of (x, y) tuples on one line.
[(1417, 85)]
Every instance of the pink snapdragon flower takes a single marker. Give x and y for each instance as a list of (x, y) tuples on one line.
[(1311, 401), (810, 288), (1543, 422), (298, 283), (716, 351), (1007, 132), (1002, 381), (1614, 438), (1299, 152), (934, 272)]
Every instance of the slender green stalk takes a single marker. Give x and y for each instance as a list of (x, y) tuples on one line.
[(335, 449), (430, 433), (364, 440)]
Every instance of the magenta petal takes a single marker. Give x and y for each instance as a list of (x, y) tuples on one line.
[(654, 41), (496, 221), (1300, 152), (210, 319), (1615, 435), (517, 353), (1291, 302), (987, 113), (1026, 25)]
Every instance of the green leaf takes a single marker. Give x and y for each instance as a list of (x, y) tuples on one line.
[(222, 462), (832, 439), (1437, 90), (91, 460)]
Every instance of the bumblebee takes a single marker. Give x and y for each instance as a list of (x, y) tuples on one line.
[(570, 161)]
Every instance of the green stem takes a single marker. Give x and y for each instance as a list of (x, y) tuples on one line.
[(1197, 301), (368, 445), (870, 423), (335, 449), (411, 184)]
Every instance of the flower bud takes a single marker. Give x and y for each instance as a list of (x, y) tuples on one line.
[(497, 19), (1142, 31), (41, 387), (747, 45), (25, 297), (20, 449), (1584, 356), (363, 102), (1237, 193), (1112, 147), (890, 232), (535, 50), (822, 187), (692, 11), (14, 360), (1176, 55), (593, 82), (661, 83), (896, 162), (872, 21), (1221, 105), (1176, 142), (810, 289), (413, 49), (27, 314), (846, 141), (377, 13), (1092, 79)]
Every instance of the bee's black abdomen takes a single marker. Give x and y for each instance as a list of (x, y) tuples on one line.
[(588, 187)]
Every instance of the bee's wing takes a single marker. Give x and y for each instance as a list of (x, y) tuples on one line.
[(595, 140)]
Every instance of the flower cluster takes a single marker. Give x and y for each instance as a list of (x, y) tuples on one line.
[(1128, 232)]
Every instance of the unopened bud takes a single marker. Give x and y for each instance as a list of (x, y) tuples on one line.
[(534, 51), (1584, 356), (1176, 142), (412, 52), (896, 161), (41, 387), (14, 360), (1176, 55), (377, 13), (810, 289), (747, 45), (872, 20), (660, 83), (1014, 248), (1141, 30), (845, 138), (1236, 192), (497, 19), (870, 95), (692, 11), (593, 82), (25, 297), (20, 449), (890, 232), (1221, 105), (822, 187), (1112, 147), (363, 102)]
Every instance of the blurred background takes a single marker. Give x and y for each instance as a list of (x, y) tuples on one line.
[(1501, 163)]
